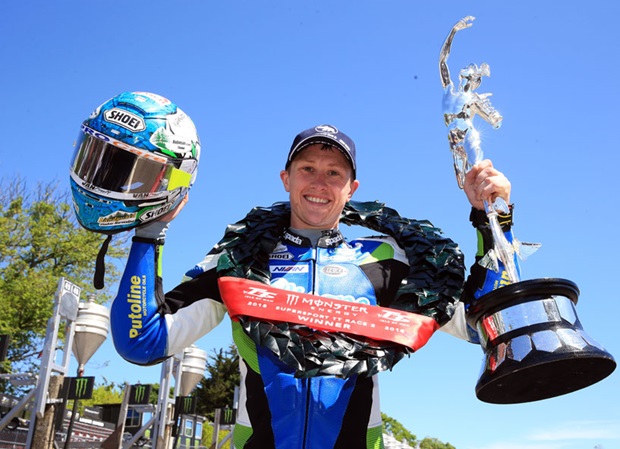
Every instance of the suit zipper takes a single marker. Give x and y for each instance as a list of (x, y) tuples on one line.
[(315, 267), (308, 381)]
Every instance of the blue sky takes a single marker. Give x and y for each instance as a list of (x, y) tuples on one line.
[(252, 74)]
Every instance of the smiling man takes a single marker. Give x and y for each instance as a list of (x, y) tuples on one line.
[(319, 177), (315, 317)]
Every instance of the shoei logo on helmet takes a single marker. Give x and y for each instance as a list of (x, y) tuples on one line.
[(125, 119), (155, 213)]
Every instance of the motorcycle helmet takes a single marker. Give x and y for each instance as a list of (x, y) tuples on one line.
[(135, 159)]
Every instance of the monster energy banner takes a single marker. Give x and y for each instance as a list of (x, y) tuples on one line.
[(80, 387), (227, 416), (139, 394), (185, 405)]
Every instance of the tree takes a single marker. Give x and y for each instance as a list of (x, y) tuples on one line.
[(217, 390), (397, 430), (106, 393), (111, 393), (41, 241), (393, 427), (434, 443), (207, 437)]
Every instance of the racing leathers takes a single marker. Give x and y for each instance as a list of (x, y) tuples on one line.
[(277, 409)]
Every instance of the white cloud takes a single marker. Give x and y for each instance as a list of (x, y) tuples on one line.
[(564, 436), (522, 445), (579, 430)]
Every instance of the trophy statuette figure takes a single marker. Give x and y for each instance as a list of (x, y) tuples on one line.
[(533, 342)]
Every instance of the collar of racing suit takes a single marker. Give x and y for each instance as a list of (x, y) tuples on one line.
[(329, 238)]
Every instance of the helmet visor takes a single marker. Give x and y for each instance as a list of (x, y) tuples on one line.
[(116, 167)]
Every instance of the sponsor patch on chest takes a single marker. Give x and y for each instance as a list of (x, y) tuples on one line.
[(288, 268), (334, 270)]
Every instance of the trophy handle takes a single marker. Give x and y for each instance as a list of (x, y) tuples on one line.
[(505, 249)]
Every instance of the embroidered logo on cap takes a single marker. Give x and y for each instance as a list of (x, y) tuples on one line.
[(326, 129)]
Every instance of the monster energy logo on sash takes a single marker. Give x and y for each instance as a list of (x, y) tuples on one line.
[(139, 394), (228, 416), (81, 387)]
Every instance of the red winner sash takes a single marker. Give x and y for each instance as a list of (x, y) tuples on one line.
[(257, 300)]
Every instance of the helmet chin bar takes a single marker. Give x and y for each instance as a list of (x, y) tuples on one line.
[(97, 213)]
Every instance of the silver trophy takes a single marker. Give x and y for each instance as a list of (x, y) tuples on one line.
[(533, 342)]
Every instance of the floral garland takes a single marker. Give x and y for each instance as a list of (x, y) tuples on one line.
[(432, 287)]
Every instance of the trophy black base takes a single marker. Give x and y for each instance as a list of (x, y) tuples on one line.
[(535, 347)]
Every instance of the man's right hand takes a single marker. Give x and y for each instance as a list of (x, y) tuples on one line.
[(157, 229), (483, 182)]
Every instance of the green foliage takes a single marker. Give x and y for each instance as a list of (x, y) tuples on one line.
[(397, 430), (40, 242), (105, 394), (110, 393), (434, 443), (102, 394), (393, 427), (217, 390), (207, 436)]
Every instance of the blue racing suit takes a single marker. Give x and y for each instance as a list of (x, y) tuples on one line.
[(276, 408)]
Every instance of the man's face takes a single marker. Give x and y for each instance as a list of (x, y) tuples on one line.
[(319, 181)]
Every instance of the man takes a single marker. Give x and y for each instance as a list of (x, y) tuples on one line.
[(305, 383)]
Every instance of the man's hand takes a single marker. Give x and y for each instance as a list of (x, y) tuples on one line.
[(485, 183), (174, 212), (157, 229)]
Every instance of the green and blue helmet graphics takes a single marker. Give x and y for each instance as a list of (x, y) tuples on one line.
[(135, 159)]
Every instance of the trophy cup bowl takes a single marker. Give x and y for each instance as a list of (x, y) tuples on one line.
[(534, 344)]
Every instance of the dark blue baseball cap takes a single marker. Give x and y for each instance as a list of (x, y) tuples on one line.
[(327, 134)]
